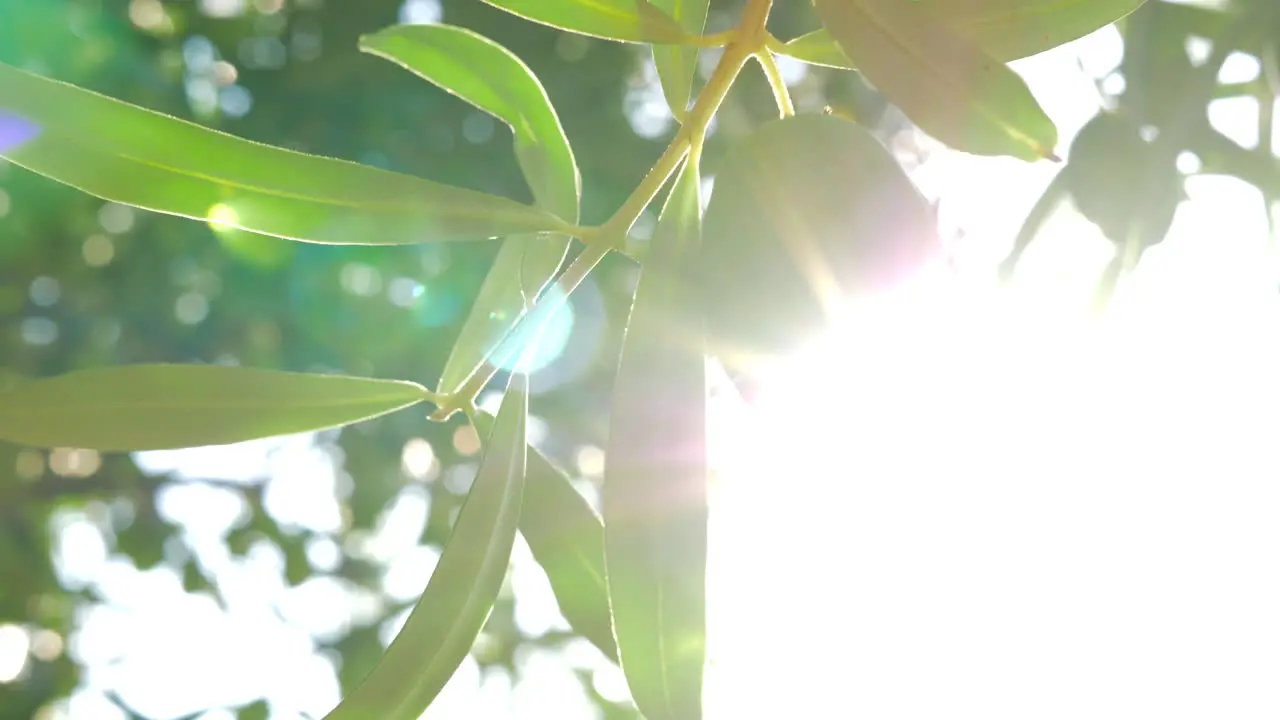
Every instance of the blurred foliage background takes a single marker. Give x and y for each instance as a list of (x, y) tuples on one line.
[(250, 581)]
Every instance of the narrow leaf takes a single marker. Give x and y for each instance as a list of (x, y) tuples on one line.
[(676, 63), (941, 80), (817, 48), (444, 624), (1006, 30), (623, 20), (134, 156), (154, 407), (567, 539), (655, 505), (493, 79)]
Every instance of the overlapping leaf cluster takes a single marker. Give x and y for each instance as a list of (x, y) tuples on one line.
[(632, 580)]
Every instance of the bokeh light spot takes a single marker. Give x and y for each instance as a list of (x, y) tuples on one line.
[(74, 462), (222, 218), (16, 131), (46, 645), (45, 291), (149, 15), (191, 308), (39, 331), (466, 441), (14, 644), (572, 48), (477, 127), (116, 218), (404, 291), (421, 12), (98, 250), (418, 459), (590, 460), (361, 279)]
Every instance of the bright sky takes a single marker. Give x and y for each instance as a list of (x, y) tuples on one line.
[(1004, 505)]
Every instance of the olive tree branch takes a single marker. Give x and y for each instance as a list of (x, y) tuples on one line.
[(745, 41)]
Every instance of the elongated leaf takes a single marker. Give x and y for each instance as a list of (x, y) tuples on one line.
[(1006, 30), (491, 78), (444, 624), (818, 48), (676, 63), (941, 80), (622, 20), (655, 505), (134, 156), (154, 407), (567, 539)]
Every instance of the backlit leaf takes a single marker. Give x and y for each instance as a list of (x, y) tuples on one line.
[(491, 78), (154, 407), (676, 63), (941, 80), (623, 20), (134, 156), (1006, 30), (444, 624), (655, 504), (567, 539)]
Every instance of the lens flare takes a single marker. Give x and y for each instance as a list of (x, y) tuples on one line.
[(16, 131)]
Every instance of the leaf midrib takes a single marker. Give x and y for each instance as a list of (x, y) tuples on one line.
[(452, 209)]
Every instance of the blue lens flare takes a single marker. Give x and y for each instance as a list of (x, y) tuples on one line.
[(15, 131)]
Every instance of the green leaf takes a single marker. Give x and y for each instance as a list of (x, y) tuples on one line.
[(677, 63), (155, 407), (1006, 30), (941, 80), (636, 21), (134, 156), (655, 504), (493, 79), (444, 624), (1016, 29), (567, 539)]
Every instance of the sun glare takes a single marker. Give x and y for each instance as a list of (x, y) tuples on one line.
[(969, 501)]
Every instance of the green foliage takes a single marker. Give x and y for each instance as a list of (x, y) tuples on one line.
[(676, 63), (655, 505), (944, 82), (1006, 30), (443, 625), (795, 195), (566, 536), (153, 407), (624, 20), (137, 157), (488, 76)]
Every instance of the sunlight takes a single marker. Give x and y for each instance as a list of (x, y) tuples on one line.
[(974, 501), (967, 500)]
